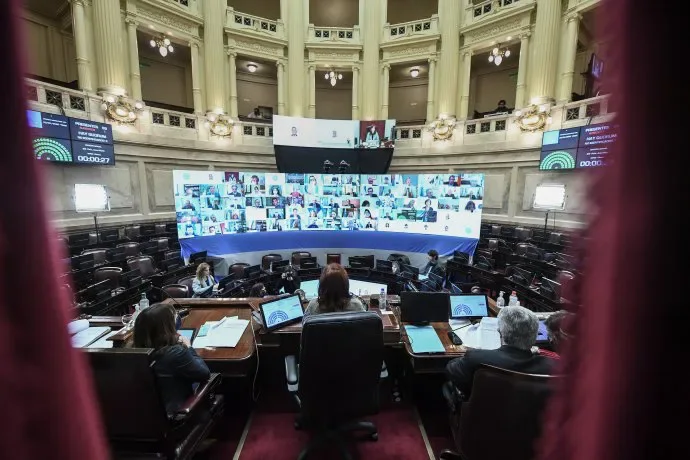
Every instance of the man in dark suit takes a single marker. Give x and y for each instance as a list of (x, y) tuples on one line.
[(518, 329)]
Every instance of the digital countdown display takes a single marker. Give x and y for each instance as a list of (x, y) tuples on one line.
[(212, 203), (61, 139), (577, 148)]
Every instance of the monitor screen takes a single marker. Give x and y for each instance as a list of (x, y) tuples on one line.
[(93, 153), (333, 134), (558, 159), (366, 287), (310, 288), (48, 124), (90, 132), (280, 312), (469, 306), (542, 333), (560, 139), (50, 149), (188, 333), (595, 143), (211, 203)]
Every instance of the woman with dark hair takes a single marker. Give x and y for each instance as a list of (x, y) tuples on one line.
[(175, 363), (334, 293), (258, 290), (554, 330)]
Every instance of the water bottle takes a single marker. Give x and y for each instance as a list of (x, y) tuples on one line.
[(500, 301), (382, 300), (512, 300), (144, 302)]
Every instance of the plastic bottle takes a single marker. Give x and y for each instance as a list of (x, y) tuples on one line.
[(512, 300), (500, 301), (144, 302), (382, 300)]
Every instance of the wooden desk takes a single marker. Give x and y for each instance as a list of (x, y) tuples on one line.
[(436, 363)]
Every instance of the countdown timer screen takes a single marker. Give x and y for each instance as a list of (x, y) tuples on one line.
[(213, 202), (575, 148)]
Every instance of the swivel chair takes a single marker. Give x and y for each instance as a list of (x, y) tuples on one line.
[(267, 259), (175, 291), (337, 380)]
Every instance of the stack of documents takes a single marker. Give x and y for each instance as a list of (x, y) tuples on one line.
[(83, 335), (224, 333), (424, 339), (483, 335)]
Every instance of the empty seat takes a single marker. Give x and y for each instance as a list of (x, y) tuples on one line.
[(99, 255), (144, 264), (160, 229), (334, 259), (238, 269), (187, 281), (108, 273), (163, 243), (400, 258), (133, 232), (268, 259), (131, 248), (297, 255), (176, 291)]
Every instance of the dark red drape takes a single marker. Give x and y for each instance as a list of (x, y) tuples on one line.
[(47, 404), (626, 395)]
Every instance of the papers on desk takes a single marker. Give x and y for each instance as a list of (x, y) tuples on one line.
[(225, 333), (424, 339), (89, 335), (103, 342), (484, 335)]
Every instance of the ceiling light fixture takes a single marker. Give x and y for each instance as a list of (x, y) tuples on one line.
[(498, 54), (414, 73), (163, 44), (333, 77), (252, 67)]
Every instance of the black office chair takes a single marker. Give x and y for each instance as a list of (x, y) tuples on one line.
[(145, 264), (400, 258), (268, 259), (337, 380), (176, 291), (99, 255), (238, 269), (108, 273), (131, 249), (187, 281), (333, 258), (297, 256), (133, 233), (133, 413), (502, 418)]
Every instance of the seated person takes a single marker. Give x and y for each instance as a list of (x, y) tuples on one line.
[(258, 290), (518, 328), (203, 283), (432, 263), (554, 329), (334, 293), (176, 365)]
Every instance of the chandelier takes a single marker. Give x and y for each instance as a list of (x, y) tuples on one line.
[(163, 44), (333, 77), (498, 54)]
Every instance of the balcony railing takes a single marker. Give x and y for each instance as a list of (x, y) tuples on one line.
[(69, 99), (478, 11), (333, 34), (409, 132), (173, 119), (257, 129), (420, 27), (492, 124), (587, 108), (250, 23)]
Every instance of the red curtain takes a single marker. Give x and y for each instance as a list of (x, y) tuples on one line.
[(625, 395), (46, 398)]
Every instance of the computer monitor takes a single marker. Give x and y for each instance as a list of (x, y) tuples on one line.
[(78, 240), (281, 312), (411, 287), (424, 307), (361, 261), (82, 262), (198, 257), (147, 229), (173, 254), (454, 289), (542, 334), (280, 265), (226, 280), (333, 258), (361, 287), (413, 271), (437, 279), (522, 276), (308, 262), (110, 234), (96, 292), (126, 277), (187, 332), (384, 266), (310, 288), (468, 306), (116, 255), (169, 265), (550, 289), (484, 263), (251, 272)]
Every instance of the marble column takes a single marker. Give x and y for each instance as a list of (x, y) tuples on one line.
[(385, 83), (134, 72), (371, 19), (81, 40), (355, 92), (449, 12), (109, 47), (196, 78), (214, 22), (296, 31), (232, 70), (430, 111), (281, 87), (522, 71), (573, 24), (465, 84), (544, 52), (312, 90)]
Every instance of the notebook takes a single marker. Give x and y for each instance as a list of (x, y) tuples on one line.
[(424, 339)]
